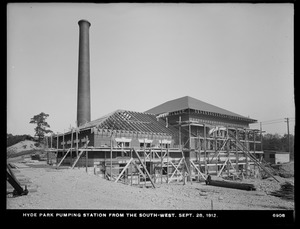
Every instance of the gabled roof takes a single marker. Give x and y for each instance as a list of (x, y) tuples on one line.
[(195, 104), (123, 120)]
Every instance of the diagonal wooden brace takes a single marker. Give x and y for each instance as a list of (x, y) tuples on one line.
[(144, 167), (63, 158), (176, 169), (124, 169)]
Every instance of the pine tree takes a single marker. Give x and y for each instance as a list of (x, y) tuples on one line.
[(42, 125)]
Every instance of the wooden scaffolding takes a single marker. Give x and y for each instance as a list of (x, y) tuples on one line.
[(227, 152)]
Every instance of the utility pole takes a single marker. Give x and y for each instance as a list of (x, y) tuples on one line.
[(288, 130), (261, 137)]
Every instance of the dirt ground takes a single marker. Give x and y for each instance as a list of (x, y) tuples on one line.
[(50, 188)]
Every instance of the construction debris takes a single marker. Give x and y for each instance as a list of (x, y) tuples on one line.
[(13, 181), (286, 191)]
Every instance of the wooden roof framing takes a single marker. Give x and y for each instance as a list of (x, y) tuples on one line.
[(123, 120)]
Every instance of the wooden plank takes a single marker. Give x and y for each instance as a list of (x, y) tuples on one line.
[(245, 150), (144, 168), (204, 127), (222, 168), (131, 168), (76, 142), (247, 165), (139, 169), (15, 183), (63, 141), (176, 168), (144, 151), (86, 160), (180, 147), (77, 158), (71, 153), (167, 166), (219, 151), (124, 170), (188, 164), (82, 150), (57, 146), (161, 164), (63, 158), (199, 172), (199, 156)]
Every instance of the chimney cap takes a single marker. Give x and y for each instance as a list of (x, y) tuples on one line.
[(84, 21)]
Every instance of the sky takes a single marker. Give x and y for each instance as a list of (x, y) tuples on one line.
[(239, 57)]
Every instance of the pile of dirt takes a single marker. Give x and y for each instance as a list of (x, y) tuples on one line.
[(23, 148), (267, 185)]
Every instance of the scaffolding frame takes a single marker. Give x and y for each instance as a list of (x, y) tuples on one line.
[(225, 153)]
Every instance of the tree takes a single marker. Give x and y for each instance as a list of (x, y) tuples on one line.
[(278, 142), (42, 125)]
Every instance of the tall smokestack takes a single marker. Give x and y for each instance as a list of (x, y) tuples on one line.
[(83, 96)]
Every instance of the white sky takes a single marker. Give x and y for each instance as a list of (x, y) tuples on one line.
[(236, 56)]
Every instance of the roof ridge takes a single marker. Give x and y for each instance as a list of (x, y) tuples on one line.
[(188, 102)]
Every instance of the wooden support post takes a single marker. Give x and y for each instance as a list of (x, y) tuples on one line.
[(124, 169), (261, 138), (180, 133), (167, 165), (146, 171), (199, 158), (189, 155), (104, 164), (236, 152), (71, 152), (161, 165), (111, 156), (86, 160), (46, 139), (254, 142), (199, 172), (228, 151), (144, 156), (206, 172), (63, 141), (254, 146), (57, 148), (246, 143), (246, 151), (57, 140), (77, 142), (63, 158), (184, 168), (51, 140), (151, 165), (131, 167), (48, 158), (216, 148)]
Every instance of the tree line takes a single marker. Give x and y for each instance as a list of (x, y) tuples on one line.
[(279, 143), (274, 142)]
